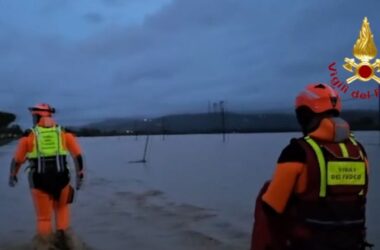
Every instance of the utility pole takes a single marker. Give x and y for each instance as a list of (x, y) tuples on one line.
[(215, 107), (163, 129), (222, 113), (145, 149), (143, 160), (135, 129)]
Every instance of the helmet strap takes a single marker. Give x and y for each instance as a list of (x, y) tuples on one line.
[(309, 120), (312, 125)]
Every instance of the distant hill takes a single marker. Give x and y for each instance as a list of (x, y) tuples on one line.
[(362, 119), (199, 123), (119, 124), (213, 123)]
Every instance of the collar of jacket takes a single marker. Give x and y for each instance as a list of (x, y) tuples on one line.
[(333, 129)]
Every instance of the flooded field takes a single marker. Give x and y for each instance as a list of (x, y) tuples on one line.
[(194, 192)]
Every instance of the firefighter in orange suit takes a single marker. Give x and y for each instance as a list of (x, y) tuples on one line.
[(46, 147), (316, 199)]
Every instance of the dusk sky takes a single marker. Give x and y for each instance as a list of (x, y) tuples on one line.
[(95, 59)]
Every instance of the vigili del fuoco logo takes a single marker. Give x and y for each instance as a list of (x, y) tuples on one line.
[(364, 69)]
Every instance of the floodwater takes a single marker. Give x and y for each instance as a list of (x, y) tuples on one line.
[(194, 192)]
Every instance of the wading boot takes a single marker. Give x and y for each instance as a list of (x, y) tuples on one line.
[(62, 240), (43, 242)]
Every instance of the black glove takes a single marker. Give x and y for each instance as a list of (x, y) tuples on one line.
[(12, 180), (79, 181)]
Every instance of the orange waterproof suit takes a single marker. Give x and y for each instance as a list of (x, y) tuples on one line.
[(49, 177)]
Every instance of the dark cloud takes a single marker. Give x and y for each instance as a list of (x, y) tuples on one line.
[(253, 54)]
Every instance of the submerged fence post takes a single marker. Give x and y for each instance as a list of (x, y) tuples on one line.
[(143, 160), (146, 148)]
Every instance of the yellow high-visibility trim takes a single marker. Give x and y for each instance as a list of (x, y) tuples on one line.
[(344, 150), (356, 144), (353, 141), (322, 165)]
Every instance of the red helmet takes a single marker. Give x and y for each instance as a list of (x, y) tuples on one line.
[(42, 109), (319, 97)]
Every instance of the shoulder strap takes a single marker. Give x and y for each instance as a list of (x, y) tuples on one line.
[(321, 162)]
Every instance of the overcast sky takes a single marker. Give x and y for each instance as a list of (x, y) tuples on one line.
[(94, 59)]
